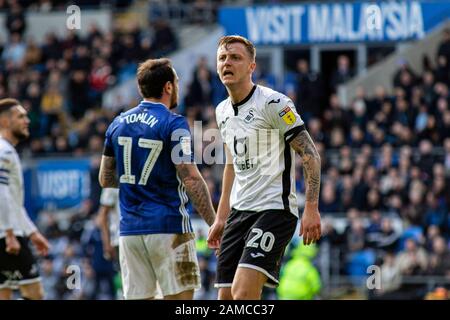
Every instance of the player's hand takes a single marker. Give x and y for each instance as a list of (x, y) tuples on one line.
[(310, 227), (40, 243), (108, 251), (215, 234), (12, 244)]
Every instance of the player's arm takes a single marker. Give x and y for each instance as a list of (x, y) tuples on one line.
[(304, 146), (37, 239), (282, 114), (7, 212), (215, 233), (7, 216), (103, 224), (107, 176), (197, 190)]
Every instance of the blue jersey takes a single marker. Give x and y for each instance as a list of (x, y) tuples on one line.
[(146, 141)]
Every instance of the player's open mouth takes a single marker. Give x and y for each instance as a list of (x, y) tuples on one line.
[(226, 73)]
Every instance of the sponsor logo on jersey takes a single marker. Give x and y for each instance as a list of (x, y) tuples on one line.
[(287, 115)]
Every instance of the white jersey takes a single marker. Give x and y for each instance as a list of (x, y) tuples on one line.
[(257, 131), (12, 210), (110, 198)]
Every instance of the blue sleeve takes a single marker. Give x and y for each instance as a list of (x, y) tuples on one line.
[(180, 141), (108, 149)]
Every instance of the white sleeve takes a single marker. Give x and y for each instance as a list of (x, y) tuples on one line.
[(6, 210), (282, 115), (26, 224), (109, 197)]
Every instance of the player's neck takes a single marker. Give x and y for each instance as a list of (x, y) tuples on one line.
[(165, 101), (239, 91), (9, 137)]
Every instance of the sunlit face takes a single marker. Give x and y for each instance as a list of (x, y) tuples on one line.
[(234, 64), (174, 95), (19, 123)]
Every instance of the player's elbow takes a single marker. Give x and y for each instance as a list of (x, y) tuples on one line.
[(191, 180), (312, 157), (104, 183), (101, 180), (318, 159)]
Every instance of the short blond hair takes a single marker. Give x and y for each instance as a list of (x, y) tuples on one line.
[(249, 46)]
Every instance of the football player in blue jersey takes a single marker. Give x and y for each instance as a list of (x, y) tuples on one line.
[(148, 156)]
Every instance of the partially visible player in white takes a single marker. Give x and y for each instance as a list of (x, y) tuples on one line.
[(18, 267), (109, 221)]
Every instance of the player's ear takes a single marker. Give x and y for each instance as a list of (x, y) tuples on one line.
[(168, 87), (252, 66), (4, 119)]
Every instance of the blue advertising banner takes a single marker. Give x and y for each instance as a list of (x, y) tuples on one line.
[(60, 184), (334, 22)]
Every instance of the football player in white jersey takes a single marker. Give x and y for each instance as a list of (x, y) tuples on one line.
[(18, 267), (109, 224), (257, 214)]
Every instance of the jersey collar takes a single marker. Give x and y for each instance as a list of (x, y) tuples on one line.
[(240, 103), (147, 104)]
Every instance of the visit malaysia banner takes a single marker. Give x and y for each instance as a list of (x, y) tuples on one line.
[(377, 21)]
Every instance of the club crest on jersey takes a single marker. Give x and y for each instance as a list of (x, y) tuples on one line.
[(186, 145), (249, 118), (287, 115)]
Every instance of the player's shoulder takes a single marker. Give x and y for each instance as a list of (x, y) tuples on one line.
[(270, 96), (269, 99), (176, 120), (7, 154), (6, 148)]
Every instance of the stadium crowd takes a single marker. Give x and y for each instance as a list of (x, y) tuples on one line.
[(385, 158)]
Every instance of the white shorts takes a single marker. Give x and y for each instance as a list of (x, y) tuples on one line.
[(169, 260)]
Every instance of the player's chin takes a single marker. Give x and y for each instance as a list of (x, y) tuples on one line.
[(228, 80), (25, 133)]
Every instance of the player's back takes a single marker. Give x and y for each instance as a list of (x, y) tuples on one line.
[(152, 198)]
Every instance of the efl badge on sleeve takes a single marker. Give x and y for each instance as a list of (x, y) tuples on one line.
[(186, 145), (287, 115)]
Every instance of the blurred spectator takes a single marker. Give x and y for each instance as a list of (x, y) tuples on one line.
[(309, 93), (343, 72), (15, 20), (444, 46), (440, 258), (164, 40), (14, 52)]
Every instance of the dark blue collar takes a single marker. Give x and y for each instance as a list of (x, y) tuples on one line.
[(147, 104)]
